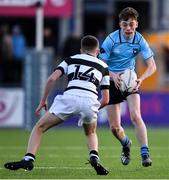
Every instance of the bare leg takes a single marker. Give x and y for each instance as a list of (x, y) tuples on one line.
[(92, 142), (141, 130), (46, 122), (135, 114), (114, 116), (90, 132)]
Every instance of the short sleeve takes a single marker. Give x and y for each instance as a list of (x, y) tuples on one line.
[(146, 51), (106, 48)]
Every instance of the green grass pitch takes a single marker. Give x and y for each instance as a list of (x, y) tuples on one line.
[(63, 155)]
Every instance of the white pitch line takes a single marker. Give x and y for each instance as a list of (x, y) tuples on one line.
[(76, 156), (77, 147), (63, 167)]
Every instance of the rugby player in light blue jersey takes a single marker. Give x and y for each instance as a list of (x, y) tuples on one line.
[(120, 50)]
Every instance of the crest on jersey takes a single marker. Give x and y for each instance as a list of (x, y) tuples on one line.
[(135, 51), (102, 50)]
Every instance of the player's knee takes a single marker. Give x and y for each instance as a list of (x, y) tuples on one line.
[(41, 127), (90, 131), (90, 128), (135, 116), (115, 130), (118, 132)]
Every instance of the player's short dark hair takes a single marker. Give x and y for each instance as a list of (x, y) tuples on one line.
[(89, 43), (127, 13)]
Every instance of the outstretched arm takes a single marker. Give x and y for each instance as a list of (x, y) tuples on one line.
[(105, 98), (48, 87)]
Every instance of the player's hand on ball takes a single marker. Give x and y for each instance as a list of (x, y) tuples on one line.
[(116, 78), (139, 81)]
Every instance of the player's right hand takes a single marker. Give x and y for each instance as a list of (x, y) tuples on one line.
[(116, 78), (43, 104)]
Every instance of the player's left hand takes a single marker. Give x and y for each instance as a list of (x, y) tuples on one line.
[(43, 104), (139, 81)]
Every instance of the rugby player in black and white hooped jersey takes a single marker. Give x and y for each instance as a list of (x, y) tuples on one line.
[(85, 74)]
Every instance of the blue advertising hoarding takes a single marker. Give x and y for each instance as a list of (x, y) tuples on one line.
[(154, 109)]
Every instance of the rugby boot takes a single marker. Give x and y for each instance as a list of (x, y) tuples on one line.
[(27, 165), (125, 155), (100, 170)]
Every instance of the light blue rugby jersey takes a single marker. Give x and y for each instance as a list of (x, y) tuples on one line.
[(121, 54)]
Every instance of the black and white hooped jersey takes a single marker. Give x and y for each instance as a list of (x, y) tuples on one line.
[(85, 74)]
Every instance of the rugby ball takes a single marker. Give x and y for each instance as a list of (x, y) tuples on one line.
[(128, 80)]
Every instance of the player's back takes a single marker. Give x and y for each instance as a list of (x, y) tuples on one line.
[(85, 73)]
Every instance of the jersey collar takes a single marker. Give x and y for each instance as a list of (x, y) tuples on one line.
[(122, 39)]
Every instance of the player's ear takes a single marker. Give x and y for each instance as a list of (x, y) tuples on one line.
[(136, 24), (120, 24), (81, 51), (97, 51)]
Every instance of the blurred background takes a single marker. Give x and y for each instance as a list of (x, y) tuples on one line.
[(36, 35)]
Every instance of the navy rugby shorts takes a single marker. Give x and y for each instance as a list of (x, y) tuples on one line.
[(116, 96)]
